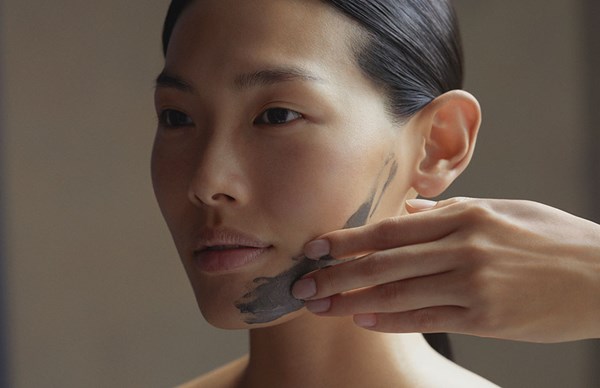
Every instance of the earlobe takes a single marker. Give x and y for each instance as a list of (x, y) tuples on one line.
[(449, 126)]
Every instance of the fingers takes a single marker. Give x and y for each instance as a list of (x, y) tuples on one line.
[(394, 297), (386, 234), (429, 304), (407, 278), (420, 205), (416, 205), (376, 269), (446, 319)]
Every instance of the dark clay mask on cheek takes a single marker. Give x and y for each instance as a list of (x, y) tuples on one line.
[(272, 296)]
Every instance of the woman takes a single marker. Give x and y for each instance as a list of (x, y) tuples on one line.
[(282, 120)]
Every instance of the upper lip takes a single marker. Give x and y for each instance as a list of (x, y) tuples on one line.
[(224, 237)]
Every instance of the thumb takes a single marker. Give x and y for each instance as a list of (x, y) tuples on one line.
[(417, 205)]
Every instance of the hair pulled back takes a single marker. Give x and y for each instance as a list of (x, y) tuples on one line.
[(412, 51)]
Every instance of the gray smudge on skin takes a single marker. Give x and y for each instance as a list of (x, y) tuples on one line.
[(391, 176), (272, 297)]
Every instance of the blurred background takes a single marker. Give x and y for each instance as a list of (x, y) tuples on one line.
[(91, 290)]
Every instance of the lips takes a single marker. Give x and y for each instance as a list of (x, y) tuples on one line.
[(223, 247), (222, 250)]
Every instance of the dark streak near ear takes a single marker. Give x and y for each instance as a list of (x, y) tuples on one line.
[(366, 210), (360, 217), (390, 178)]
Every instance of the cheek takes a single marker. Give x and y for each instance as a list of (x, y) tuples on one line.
[(313, 187), (169, 176), (161, 181)]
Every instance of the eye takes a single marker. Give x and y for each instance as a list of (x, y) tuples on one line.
[(277, 116), (172, 118)]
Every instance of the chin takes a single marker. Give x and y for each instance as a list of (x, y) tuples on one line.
[(234, 320), (252, 297), (231, 303)]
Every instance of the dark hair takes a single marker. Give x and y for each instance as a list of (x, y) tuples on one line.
[(413, 48), (412, 51)]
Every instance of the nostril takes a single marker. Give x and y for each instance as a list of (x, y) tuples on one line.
[(210, 188), (207, 199), (222, 197)]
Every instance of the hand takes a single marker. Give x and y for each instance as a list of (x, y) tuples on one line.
[(506, 269)]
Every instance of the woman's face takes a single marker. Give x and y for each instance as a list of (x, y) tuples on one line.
[(269, 136)]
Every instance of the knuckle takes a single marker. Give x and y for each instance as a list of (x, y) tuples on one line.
[(478, 212), (484, 321), (390, 293), (327, 283), (475, 249), (339, 305), (483, 301), (476, 282), (386, 232), (424, 319), (372, 267)]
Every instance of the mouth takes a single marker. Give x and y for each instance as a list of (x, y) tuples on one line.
[(225, 250), (224, 258), (224, 247)]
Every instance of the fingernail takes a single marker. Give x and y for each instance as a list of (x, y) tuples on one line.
[(365, 320), (316, 249), (304, 288), (318, 306), (420, 204)]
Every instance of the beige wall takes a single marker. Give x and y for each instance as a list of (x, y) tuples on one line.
[(526, 63), (96, 296)]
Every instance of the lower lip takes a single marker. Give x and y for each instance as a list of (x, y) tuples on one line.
[(226, 259)]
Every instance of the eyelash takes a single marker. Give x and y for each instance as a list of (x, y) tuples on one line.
[(166, 119), (260, 120)]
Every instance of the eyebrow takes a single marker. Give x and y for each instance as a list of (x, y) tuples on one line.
[(166, 80), (273, 76), (264, 77)]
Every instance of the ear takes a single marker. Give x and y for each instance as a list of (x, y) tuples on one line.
[(448, 126)]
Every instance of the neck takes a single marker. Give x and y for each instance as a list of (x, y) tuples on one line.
[(316, 351)]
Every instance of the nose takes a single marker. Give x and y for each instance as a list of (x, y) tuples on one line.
[(218, 178)]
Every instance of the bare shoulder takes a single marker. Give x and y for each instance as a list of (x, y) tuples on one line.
[(451, 375), (227, 376)]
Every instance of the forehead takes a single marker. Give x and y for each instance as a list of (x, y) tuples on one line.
[(221, 35)]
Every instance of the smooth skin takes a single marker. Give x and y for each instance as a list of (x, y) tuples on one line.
[(516, 270), (220, 161)]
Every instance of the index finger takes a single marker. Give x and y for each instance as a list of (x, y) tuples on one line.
[(389, 233)]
